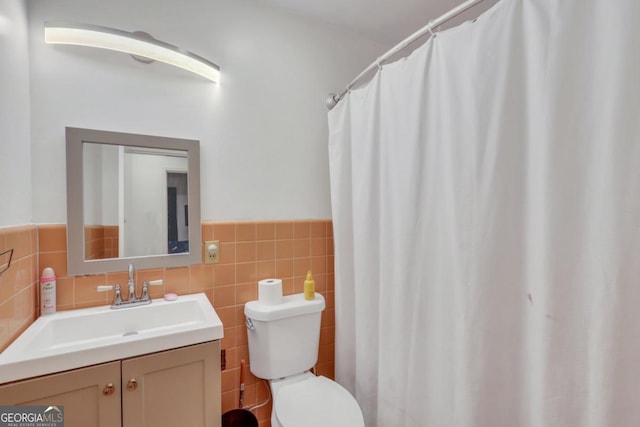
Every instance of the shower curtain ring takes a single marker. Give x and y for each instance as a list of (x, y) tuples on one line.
[(429, 27)]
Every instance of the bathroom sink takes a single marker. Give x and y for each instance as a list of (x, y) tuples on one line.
[(76, 338)]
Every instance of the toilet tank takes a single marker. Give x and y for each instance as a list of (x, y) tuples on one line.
[(283, 338)]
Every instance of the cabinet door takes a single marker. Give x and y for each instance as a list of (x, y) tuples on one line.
[(85, 394), (173, 388)]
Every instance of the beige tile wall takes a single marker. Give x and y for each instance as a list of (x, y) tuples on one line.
[(249, 252), (100, 241), (19, 284)]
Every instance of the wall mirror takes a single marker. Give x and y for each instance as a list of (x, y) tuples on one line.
[(131, 198)]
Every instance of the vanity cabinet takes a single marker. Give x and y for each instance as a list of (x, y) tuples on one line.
[(169, 388), (84, 393), (173, 388)]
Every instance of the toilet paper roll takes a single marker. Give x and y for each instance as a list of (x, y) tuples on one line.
[(270, 291)]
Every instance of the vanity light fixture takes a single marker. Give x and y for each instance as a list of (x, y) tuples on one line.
[(138, 44)]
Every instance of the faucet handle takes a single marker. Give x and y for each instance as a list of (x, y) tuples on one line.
[(145, 288), (117, 296)]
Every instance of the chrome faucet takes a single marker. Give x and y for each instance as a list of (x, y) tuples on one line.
[(131, 284), (132, 299)]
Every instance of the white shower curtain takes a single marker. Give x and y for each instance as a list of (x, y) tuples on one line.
[(486, 208)]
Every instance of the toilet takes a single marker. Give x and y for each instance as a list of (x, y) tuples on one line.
[(283, 346)]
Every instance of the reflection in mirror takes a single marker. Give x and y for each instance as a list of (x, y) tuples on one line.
[(177, 219), (153, 183), (134, 202), (100, 193)]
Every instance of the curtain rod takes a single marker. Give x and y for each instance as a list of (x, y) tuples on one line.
[(333, 99)]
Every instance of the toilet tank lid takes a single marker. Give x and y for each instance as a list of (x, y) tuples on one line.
[(291, 305)]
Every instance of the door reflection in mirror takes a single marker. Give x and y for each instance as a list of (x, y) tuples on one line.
[(177, 213)]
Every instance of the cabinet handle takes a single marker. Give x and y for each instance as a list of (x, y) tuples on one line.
[(132, 384), (108, 389)]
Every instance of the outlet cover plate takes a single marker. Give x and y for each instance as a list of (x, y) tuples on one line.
[(207, 256)]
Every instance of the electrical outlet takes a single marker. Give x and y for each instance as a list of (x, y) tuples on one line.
[(211, 251)]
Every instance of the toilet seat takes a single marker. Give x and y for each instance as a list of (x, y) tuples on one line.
[(317, 402)]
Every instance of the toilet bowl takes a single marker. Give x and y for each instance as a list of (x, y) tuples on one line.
[(313, 401), (283, 347)]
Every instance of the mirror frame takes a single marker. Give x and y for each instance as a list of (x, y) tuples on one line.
[(76, 263)]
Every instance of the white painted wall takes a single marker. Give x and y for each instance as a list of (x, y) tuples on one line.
[(263, 130), (110, 186), (101, 183), (93, 179), (15, 149)]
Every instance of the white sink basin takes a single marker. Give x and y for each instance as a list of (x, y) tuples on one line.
[(76, 338)]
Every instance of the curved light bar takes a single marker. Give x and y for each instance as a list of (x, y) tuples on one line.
[(132, 43)]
